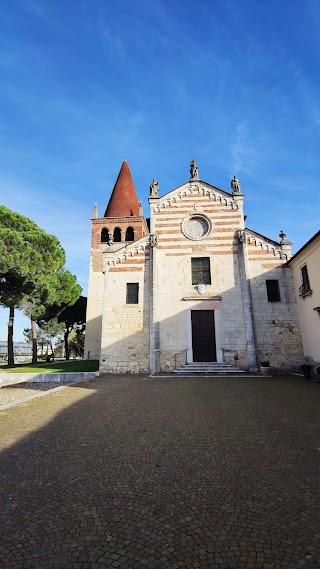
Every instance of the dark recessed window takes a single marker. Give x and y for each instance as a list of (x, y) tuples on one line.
[(273, 291), (117, 235), (130, 234), (132, 293), (200, 267), (104, 235), (305, 288)]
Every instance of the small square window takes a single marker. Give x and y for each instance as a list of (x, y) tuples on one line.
[(200, 267), (273, 291), (132, 293)]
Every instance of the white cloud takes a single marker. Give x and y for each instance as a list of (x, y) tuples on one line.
[(243, 149), (67, 219)]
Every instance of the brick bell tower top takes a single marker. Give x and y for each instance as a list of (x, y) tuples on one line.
[(123, 201), (123, 221)]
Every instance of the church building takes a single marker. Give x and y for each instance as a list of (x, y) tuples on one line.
[(193, 285)]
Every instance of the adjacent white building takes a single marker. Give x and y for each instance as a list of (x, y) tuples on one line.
[(306, 273), (196, 286)]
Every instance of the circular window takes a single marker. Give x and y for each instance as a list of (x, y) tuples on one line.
[(196, 227)]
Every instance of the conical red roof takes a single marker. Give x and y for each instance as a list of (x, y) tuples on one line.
[(124, 200)]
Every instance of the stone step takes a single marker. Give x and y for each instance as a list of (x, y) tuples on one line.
[(207, 371), (207, 364), (207, 368)]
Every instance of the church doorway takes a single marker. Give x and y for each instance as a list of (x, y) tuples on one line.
[(203, 336)]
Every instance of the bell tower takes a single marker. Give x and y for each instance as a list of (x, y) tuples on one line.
[(122, 223)]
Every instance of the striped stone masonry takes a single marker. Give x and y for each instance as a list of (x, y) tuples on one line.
[(160, 333)]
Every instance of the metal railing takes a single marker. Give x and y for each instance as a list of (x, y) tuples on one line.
[(305, 289)]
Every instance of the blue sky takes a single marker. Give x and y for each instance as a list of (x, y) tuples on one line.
[(88, 83)]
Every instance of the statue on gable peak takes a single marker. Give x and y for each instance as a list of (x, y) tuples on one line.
[(154, 189), (194, 170), (235, 185)]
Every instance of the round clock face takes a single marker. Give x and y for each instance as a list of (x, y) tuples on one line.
[(196, 227)]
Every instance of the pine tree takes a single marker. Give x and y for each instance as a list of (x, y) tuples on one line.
[(32, 272)]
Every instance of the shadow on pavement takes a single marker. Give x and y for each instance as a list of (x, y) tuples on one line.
[(193, 472)]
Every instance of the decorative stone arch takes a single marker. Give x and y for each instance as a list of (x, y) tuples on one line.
[(192, 191)]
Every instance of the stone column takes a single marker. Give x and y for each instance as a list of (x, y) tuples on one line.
[(286, 245), (154, 356), (238, 199), (247, 300)]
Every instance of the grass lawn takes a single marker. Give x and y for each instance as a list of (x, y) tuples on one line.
[(53, 367)]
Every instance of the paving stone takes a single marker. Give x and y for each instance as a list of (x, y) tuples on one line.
[(129, 472)]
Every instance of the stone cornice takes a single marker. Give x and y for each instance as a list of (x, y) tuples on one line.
[(128, 251), (262, 242), (194, 188), (201, 297), (106, 220)]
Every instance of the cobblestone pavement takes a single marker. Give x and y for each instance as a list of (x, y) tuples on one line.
[(128, 472), (14, 394)]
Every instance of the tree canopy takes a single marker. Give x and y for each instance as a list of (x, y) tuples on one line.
[(32, 273), (73, 316), (25, 248)]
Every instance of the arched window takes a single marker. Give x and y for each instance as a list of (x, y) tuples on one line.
[(104, 235), (130, 234), (117, 235)]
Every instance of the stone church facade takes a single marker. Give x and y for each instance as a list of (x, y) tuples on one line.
[(195, 285)]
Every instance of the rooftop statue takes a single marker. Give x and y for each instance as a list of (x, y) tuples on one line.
[(235, 185), (154, 189), (194, 169)]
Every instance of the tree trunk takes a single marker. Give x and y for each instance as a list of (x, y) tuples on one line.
[(34, 342), (10, 337), (52, 349), (66, 345)]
